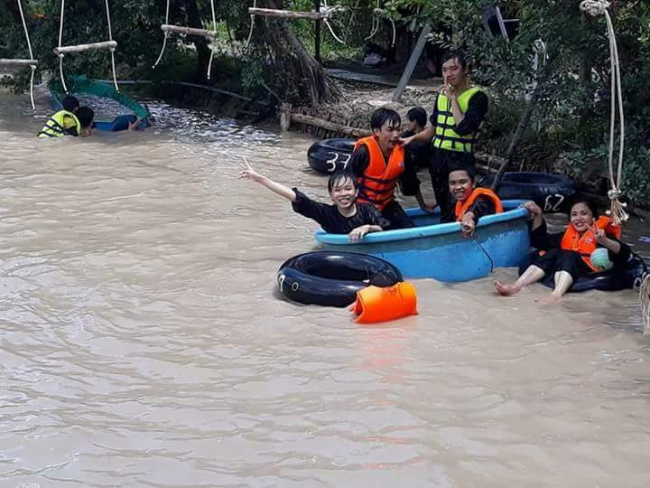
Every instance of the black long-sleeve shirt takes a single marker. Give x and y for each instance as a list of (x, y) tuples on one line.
[(408, 180), (476, 111)]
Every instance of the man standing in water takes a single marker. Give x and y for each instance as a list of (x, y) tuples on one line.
[(453, 127), (379, 162)]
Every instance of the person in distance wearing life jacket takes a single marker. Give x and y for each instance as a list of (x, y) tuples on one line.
[(453, 127), (567, 256), (380, 164), (346, 216), (467, 203), (72, 120)]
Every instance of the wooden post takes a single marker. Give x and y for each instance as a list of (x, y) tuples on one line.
[(413, 61), (190, 31), (285, 116), (18, 62), (317, 33), (85, 47)]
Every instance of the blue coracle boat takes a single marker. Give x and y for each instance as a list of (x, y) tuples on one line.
[(80, 85), (439, 251)]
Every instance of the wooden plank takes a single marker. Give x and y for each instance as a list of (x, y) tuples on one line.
[(324, 124), (18, 62), (190, 31), (412, 62), (287, 14), (85, 47)]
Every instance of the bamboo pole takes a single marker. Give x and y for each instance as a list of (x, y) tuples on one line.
[(287, 14), (85, 47), (190, 31), (18, 62)]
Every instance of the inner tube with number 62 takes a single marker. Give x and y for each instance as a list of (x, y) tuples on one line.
[(551, 192)]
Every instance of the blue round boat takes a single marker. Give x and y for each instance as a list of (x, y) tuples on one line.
[(439, 251)]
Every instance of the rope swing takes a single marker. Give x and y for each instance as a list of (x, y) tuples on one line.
[(377, 13), (617, 209), (167, 28), (31, 62), (62, 50), (644, 296)]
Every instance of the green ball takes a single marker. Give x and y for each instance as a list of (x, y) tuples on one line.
[(600, 259)]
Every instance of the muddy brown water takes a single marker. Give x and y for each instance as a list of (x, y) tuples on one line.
[(143, 343)]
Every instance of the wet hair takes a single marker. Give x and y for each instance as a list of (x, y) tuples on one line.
[(85, 116), (341, 177), (418, 115), (456, 54), (469, 169), (591, 205), (383, 115), (70, 103)]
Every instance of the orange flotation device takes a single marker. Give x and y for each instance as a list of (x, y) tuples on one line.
[(461, 208), (376, 304), (585, 243), (377, 184)]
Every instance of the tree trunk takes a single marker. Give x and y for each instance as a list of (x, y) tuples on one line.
[(304, 79), (194, 19)]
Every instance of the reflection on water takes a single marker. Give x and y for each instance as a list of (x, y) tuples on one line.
[(143, 344)]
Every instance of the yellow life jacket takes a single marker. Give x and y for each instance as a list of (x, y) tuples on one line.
[(60, 124), (445, 136)]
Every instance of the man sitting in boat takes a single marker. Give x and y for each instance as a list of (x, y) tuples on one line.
[(346, 216), (467, 203), (379, 163), (72, 120), (569, 255)]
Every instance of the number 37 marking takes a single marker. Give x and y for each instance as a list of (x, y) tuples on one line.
[(344, 159)]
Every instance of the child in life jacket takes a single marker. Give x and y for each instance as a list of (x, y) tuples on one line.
[(72, 120), (567, 255), (467, 203), (346, 216)]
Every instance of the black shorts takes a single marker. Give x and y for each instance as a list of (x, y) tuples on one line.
[(560, 260)]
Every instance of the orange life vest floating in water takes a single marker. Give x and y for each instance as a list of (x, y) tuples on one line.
[(375, 304), (586, 243), (461, 208), (378, 182)]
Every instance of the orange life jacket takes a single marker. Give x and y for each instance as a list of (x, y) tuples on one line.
[(378, 182), (585, 243), (375, 304), (461, 208)]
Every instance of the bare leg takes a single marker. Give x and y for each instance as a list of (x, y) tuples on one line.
[(532, 275), (563, 281)]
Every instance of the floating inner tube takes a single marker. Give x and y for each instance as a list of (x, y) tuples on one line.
[(618, 278), (550, 192), (331, 155), (332, 279)]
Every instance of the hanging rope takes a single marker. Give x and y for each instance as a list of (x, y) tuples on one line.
[(31, 54), (376, 22), (334, 9), (162, 51), (167, 29), (86, 47), (617, 209), (644, 296), (250, 33)]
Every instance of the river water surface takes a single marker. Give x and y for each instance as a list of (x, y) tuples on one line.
[(143, 343)]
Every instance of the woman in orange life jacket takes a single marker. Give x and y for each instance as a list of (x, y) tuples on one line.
[(380, 163), (568, 253), (467, 204)]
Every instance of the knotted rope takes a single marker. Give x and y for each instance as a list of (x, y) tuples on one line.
[(644, 296), (617, 209)]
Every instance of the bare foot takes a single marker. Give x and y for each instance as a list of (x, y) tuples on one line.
[(549, 300), (505, 290)]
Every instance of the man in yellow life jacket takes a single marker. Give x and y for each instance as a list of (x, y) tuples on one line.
[(380, 163), (453, 126), (467, 203), (72, 120)]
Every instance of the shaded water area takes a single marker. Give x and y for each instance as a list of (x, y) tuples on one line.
[(143, 343)]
